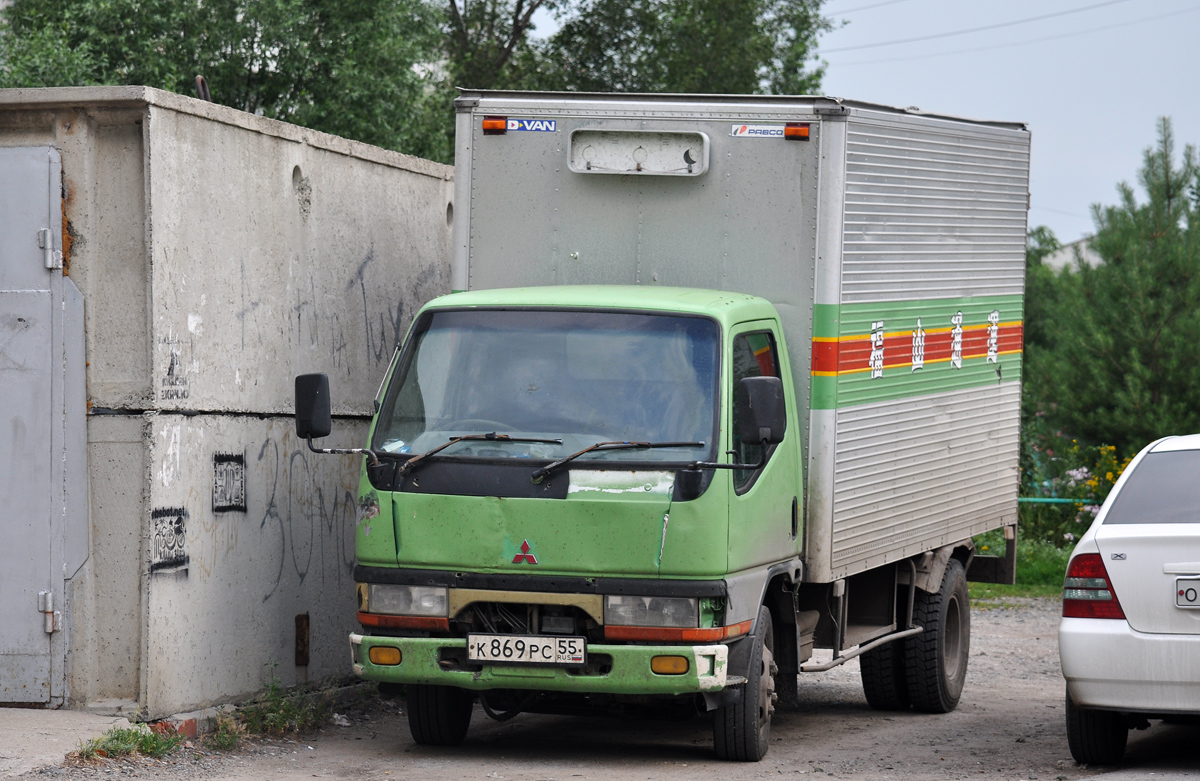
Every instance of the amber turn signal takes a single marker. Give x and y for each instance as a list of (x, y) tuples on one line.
[(383, 655), (796, 131), (495, 126), (669, 665)]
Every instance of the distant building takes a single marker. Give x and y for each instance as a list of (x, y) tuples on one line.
[(1070, 254)]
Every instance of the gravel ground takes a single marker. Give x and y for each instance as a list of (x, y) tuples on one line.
[(1008, 725)]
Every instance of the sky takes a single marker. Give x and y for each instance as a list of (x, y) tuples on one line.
[(1090, 81)]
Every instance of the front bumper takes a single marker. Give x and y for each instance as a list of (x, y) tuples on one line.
[(629, 673), (1109, 665)]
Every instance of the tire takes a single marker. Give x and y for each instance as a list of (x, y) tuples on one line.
[(884, 680), (935, 661), (439, 715), (1096, 737), (742, 731)]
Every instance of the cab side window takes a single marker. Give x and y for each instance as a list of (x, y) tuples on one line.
[(754, 355)]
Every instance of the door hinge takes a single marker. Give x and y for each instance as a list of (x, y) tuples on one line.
[(53, 257), (46, 608)]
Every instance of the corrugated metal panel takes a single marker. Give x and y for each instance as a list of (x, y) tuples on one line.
[(916, 473), (933, 211)]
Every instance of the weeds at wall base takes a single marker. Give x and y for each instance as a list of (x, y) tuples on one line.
[(129, 741), (225, 732), (281, 711)]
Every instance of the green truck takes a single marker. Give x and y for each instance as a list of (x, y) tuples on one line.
[(728, 388)]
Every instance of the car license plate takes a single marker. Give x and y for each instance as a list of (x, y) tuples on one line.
[(526, 649), (1187, 592)]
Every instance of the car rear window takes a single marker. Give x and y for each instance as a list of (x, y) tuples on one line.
[(1165, 488)]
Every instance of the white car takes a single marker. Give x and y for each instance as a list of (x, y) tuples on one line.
[(1129, 640)]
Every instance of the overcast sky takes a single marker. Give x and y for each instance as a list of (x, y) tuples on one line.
[(1089, 83)]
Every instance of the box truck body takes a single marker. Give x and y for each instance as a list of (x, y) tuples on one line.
[(881, 221)]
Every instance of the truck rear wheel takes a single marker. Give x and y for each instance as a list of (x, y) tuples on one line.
[(1096, 737), (741, 731), (439, 715), (936, 660), (884, 680)]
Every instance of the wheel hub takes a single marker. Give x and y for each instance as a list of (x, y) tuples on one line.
[(766, 687)]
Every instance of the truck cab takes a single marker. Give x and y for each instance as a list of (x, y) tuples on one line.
[(579, 535)]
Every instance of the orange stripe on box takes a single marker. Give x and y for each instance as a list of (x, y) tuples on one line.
[(852, 354), (825, 356)]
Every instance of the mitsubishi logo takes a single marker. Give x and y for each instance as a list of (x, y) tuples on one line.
[(525, 556)]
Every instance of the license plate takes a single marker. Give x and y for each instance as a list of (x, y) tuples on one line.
[(1187, 592), (526, 649)]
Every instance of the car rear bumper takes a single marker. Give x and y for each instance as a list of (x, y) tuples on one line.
[(626, 668), (1109, 665)]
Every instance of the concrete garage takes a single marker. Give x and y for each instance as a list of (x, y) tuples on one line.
[(166, 267)]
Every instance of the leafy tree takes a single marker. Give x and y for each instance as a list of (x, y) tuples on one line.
[(342, 66), (705, 46), (485, 36), (1120, 364)]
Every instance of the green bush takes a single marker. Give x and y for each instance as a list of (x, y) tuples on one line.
[(1054, 465)]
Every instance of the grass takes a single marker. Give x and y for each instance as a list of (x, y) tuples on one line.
[(1041, 567), (276, 713), (225, 732), (124, 742), (282, 712)]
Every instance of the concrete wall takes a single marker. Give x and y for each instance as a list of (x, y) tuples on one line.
[(219, 254)]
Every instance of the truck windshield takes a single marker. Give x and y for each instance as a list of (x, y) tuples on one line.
[(579, 376)]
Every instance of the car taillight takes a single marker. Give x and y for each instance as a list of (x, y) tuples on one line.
[(1087, 591)]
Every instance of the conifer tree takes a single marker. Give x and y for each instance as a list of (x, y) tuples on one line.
[(1122, 360)]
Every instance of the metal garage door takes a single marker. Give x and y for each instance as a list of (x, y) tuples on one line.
[(42, 426)]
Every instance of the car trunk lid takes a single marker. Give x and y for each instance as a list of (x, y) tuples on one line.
[(1146, 563)]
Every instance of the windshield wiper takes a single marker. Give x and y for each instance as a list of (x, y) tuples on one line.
[(538, 474), (489, 437)]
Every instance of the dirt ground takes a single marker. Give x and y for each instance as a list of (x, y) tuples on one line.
[(1008, 725)]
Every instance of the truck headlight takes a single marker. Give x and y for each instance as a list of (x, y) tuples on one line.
[(679, 612), (406, 600)]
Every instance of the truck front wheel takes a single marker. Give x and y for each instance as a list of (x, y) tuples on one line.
[(936, 660), (439, 715), (741, 731)]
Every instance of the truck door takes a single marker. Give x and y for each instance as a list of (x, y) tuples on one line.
[(42, 495), (764, 503)]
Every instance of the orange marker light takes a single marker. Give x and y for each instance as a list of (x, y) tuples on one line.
[(796, 131), (384, 655), (495, 126), (669, 665)]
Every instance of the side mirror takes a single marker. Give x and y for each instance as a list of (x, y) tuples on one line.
[(762, 415), (313, 419)]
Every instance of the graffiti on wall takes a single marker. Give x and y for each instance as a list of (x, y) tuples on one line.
[(168, 550), (229, 482), (308, 517), (175, 383), (298, 526)]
